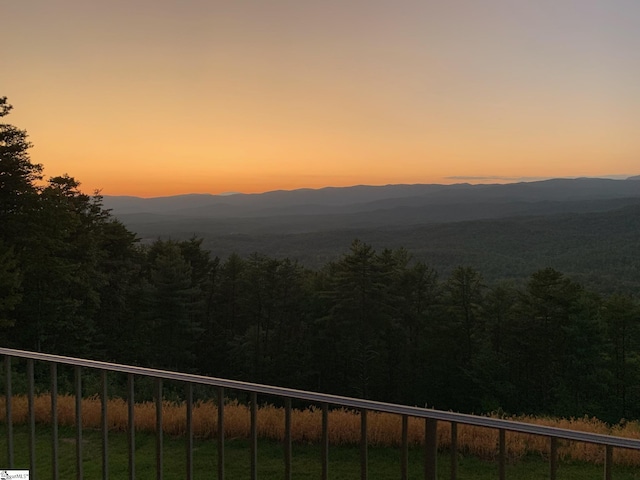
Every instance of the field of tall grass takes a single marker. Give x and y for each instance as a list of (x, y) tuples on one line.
[(344, 427)]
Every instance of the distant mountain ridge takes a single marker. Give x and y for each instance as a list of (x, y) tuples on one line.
[(356, 199), (589, 228)]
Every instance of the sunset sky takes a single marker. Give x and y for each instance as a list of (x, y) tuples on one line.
[(162, 97)]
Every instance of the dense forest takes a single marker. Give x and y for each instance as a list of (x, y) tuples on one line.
[(598, 249), (375, 324)]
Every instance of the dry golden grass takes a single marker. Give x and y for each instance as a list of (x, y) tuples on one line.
[(344, 427)]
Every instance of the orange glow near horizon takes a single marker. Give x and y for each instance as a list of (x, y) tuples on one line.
[(210, 98)]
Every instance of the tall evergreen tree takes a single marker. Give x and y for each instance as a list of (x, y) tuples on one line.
[(62, 274), (357, 318), (492, 367), (168, 309), (456, 337), (18, 194), (117, 320), (18, 177), (544, 314)]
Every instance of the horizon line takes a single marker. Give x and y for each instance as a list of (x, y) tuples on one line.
[(462, 179)]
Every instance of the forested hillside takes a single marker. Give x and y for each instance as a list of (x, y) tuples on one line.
[(379, 322), (596, 248), (588, 228)]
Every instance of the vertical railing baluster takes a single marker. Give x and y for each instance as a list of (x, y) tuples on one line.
[(608, 462), (501, 454), (430, 449), (454, 450), (159, 431), (32, 419), (54, 421), (364, 461), (189, 441), (8, 409), (254, 436), (220, 433), (131, 426), (287, 438), (78, 388), (404, 455), (553, 458), (104, 402), (325, 441)]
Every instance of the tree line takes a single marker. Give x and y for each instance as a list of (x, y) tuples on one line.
[(373, 324)]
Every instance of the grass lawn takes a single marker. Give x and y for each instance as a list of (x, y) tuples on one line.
[(384, 462)]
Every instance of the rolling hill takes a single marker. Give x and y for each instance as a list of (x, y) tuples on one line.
[(588, 228)]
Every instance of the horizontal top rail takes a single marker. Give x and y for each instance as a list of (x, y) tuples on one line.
[(356, 403)]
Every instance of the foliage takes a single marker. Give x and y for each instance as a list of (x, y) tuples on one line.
[(382, 324), (384, 430)]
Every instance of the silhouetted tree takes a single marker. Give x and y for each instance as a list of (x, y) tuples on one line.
[(18, 177), (169, 301)]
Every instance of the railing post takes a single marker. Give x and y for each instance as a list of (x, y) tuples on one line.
[(8, 401), (608, 462), (220, 433), (32, 419), (78, 382), (189, 439), (131, 426), (325, 441), (364, 461), (54, 421), (430, 449), (553, 458), (502, 455), (454, 450), (404, 462), (287, 438), (159, 430), (254, 436), (104, 402)]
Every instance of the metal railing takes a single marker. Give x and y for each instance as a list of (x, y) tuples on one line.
[(431, 418)]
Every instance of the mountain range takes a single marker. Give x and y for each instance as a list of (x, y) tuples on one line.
[(587, 228), (308, 210)]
